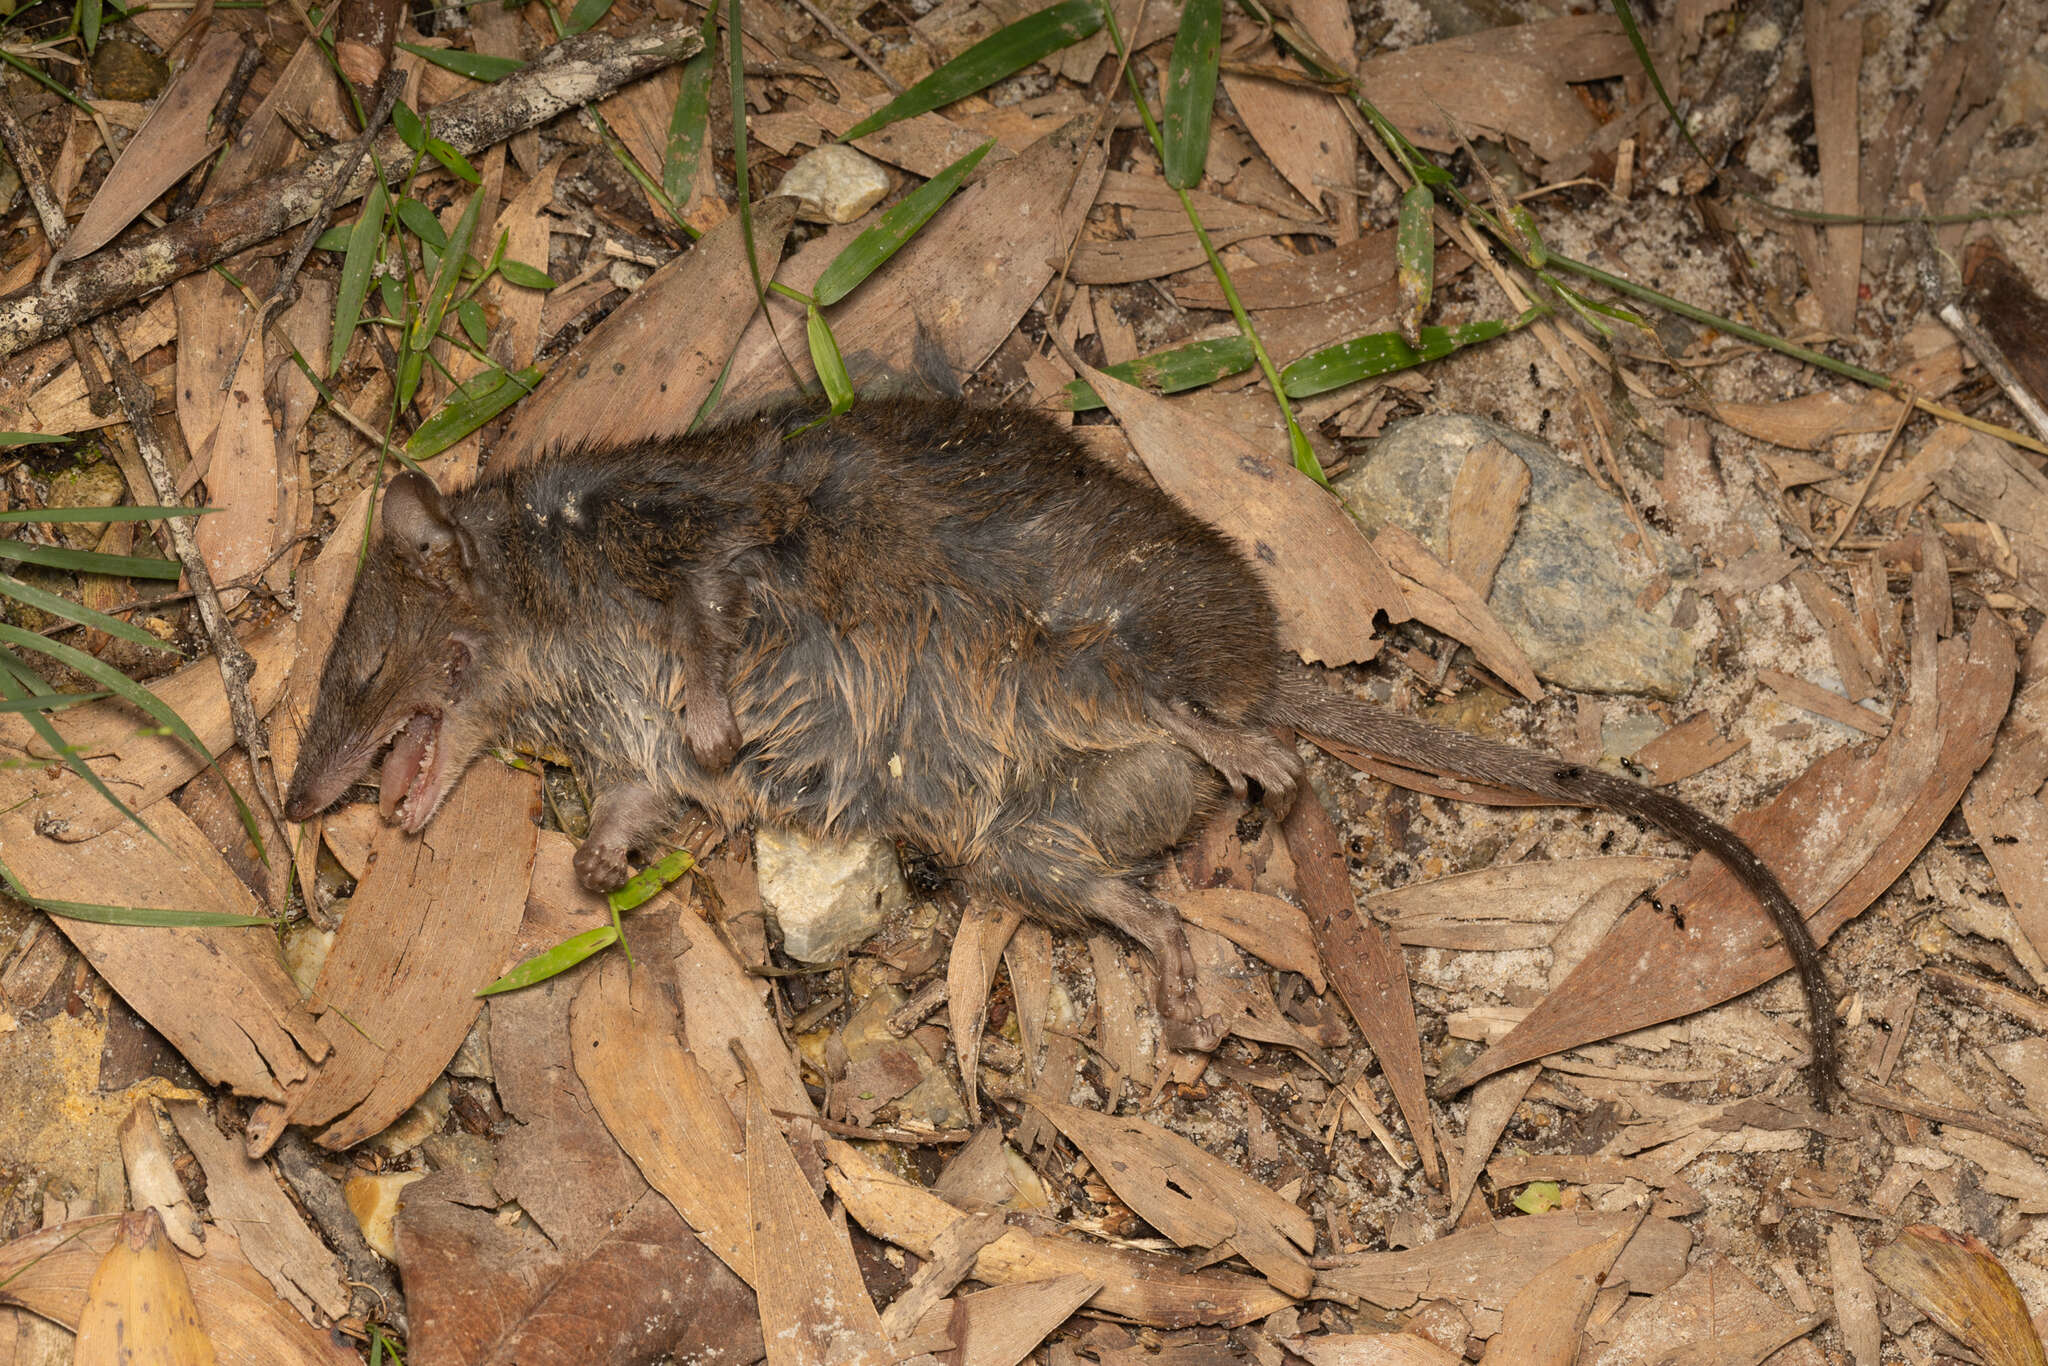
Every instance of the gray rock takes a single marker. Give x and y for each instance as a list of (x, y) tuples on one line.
[(825, 896), (1566, 589)]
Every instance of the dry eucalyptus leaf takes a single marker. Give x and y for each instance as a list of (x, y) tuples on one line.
[(178, 135), (1141, 1286), (429, 924), (681, 1134), (1259, 924), (1192, 1196), (1955, 1280), (637, 375), (815, 1309), (48, 1272), (139, 1309)]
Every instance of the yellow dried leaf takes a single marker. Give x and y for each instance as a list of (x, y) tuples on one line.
[(1954, 1280), (139, 1309)]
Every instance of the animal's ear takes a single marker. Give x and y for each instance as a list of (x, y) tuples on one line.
[(417, 524)]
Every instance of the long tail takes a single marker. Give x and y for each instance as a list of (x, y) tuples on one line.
[(1310, 707)]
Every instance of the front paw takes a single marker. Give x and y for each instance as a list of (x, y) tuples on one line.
[(602, 865), (714, 736)]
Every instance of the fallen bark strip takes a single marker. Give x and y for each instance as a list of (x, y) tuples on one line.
[(569, 74)]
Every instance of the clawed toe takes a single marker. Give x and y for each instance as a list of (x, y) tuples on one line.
[(1199, 1035), (602, 866)]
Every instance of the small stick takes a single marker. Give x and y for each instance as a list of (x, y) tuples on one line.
[(912, 1138), (236, 668), (585, 68), (2026, 1136), (1935, 283), (1906, 410), (251, 582), (852, 44), (48, 211)]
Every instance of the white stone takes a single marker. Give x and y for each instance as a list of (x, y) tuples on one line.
[(825, 896), (835, 184)]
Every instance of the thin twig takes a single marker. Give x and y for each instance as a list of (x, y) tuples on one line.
[(1906, 410), (388, 87), (2028, 1136), (236, 667), (588, 67), (851, 44), (908, 1137), (1992, 357), (48, 211), (250, 582)]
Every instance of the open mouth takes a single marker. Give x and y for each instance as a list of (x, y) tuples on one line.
[(409, 784)]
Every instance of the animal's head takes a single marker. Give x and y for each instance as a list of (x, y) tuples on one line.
[(406, 667)]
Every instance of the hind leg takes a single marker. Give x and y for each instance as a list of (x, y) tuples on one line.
[(1077, 850), (1236, 752)]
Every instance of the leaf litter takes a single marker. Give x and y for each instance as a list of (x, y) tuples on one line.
[(681, 1153)]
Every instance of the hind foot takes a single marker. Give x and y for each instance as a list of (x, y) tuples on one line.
[(1238, 753), (1157, 927)]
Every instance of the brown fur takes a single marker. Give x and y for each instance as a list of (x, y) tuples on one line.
[(942, 624)]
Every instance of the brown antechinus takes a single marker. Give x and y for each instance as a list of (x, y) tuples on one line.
[(922, 620)]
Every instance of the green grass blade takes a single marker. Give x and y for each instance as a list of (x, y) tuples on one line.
[(478, 66), (456, 163), (866, 253), (420, 221), (552, 962), (9, 440), (736, 82), (1635, 40), (15, 667), (88, 561), (525, 276), (1381, 353), (1002, 54), (112, 679), (58, 606), (15, 685), (1415, 259), (61, 701), (407, 125), (35, 73), (689, 127), (90, 14), (428, 325), (357, 262), (1191, 91), (121, 514), (825, 358), (470, 407), (475, 326), (1173, 371), (585, 16), (145, 916), (651, 879)]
